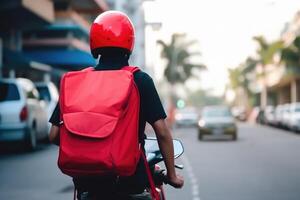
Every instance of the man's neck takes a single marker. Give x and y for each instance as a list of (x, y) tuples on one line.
[(112, 62)]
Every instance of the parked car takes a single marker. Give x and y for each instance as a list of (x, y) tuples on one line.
[(261, 119), (286, 115), (217, 120), (295, 117), (239, 113), (186, 117), (22, 115), (270, 115), (279, 115), (49, 93)]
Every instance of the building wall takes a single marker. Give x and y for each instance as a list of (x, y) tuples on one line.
[(281, 79), (292, 29), (284, 94), (41, 35)]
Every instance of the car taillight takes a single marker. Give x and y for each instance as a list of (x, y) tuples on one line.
[(24, 113)]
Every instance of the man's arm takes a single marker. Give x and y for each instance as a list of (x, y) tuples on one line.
[(54, 134), (165, 143)]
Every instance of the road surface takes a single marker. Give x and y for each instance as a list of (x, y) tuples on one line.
[(263, 164)]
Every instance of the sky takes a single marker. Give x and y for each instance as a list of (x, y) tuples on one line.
[(224, 30)]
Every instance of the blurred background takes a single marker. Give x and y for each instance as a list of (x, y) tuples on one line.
[(228, 74)]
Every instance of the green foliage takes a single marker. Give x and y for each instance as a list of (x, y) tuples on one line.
[(266, 51), (179, 67), (238, 77), (291, 55), (249, 65), (235, 77), (202, 98)]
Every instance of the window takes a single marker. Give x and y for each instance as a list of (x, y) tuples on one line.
[(9, 92), (44, 93)]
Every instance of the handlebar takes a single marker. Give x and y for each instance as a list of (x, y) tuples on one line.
[(160, 175)]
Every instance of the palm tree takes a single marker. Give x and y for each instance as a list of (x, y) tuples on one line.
[(235, 77), (266, 52), (179, 67), (291, 55), (247, 68), (239, 78)]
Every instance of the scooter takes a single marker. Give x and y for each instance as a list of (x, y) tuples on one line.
[(154, 156), (158, 176)]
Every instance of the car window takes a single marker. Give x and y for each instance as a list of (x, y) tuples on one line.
[(9, 92), (221, 112), (44, 93)]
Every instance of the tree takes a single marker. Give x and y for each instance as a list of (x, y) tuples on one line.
[(202, 98), (235, 77), (239, 78), (248, 68), (179, 67), (266, 52), (291, 55)]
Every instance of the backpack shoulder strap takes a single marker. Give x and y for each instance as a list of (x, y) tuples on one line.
[(88, 69), (131, 69)]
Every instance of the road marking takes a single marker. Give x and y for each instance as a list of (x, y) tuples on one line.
[(192, 178)]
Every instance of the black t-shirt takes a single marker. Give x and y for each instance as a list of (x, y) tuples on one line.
[(151, 110)]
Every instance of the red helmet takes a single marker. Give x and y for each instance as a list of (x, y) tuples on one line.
[(111, 29)]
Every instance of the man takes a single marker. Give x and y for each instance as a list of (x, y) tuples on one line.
[(112, 37)]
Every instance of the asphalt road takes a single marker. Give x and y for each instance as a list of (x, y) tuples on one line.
[(263, 164)]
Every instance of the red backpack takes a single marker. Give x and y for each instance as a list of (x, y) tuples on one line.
[(100, 118)]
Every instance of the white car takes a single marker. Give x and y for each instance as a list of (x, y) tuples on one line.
[(270, 115), (186, 117), (295, 117), (23, 116), (279, 115), (48, 93), (286, 115)]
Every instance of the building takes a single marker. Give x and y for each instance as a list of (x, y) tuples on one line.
[(30, 14), (282, 81), (58, 44)]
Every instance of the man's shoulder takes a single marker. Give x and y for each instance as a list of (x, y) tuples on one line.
[(142, 78)]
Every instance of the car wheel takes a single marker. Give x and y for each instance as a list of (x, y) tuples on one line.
[(31, 140), (234, 136), (200, 136)]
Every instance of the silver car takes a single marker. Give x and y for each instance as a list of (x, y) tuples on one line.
[(23, 116), (286, 115), (217, 121), (295, 117), (186, 117), (269, 115)]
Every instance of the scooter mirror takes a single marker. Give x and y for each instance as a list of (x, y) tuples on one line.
[(178, 148), (152, 148)]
